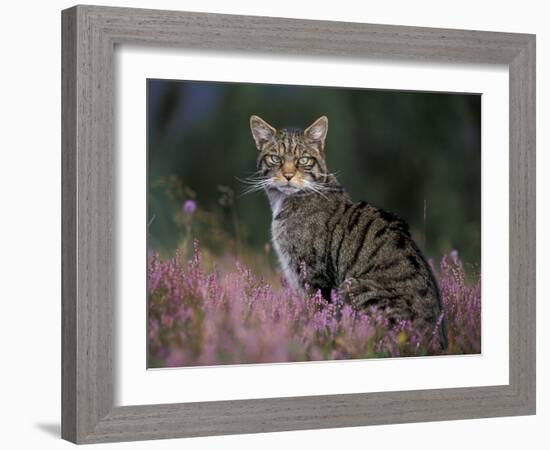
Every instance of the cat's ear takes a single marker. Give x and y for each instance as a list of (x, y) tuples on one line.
[(317, 131), (262, 132)]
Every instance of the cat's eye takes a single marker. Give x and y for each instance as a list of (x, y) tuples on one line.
[(275, 159), (304, 160)]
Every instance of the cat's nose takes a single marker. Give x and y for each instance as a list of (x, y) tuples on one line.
[(288, 176)]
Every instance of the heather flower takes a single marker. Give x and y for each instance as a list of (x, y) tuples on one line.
[(454, 257), (197, 317), (189, 207)]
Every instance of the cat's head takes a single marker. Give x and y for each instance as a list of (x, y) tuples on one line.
[(291, 160)]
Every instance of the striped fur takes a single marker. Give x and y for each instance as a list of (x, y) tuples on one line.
[(365, 254)]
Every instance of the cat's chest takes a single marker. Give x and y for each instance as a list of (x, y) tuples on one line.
[(291, 232), (300, 232), (283, 237), (294, 234)]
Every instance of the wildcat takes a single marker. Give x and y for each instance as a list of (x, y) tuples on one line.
[(364, 253)]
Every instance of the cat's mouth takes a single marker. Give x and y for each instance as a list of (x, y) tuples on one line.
[(287, 188)]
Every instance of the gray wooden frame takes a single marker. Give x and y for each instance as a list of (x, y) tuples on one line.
[(89, 37)]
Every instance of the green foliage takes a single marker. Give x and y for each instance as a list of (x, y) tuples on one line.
[(397, 150)]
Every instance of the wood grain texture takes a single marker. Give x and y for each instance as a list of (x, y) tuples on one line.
[(523, 224), (88, 210), (89, 37), (68, 226)]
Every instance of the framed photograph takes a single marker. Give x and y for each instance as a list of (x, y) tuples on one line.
[(278, 224)]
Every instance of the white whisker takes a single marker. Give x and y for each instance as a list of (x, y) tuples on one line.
[(255, 184), (251, 180), (315, 187)]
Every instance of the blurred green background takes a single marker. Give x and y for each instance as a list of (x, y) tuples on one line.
[(415, 154)]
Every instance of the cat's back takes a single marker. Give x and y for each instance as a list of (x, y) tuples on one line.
[(354, 239), (357, 229), (360, 250), (374, 249)]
